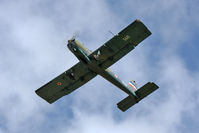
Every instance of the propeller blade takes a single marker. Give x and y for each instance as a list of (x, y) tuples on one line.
[(75, 35)]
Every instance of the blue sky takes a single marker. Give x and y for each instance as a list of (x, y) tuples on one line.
[(33, 51)]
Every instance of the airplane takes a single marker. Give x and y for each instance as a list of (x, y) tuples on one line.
[(98, 62)]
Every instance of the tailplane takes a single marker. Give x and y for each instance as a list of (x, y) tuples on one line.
[(141, 93)]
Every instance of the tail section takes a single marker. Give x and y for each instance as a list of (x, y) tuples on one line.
[(141, 93)]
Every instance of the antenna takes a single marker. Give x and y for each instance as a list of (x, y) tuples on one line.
[(111, 33)]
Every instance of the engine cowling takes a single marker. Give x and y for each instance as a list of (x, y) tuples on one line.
[(79, 50)]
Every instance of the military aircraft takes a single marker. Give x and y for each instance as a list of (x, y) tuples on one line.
[(98, 62)]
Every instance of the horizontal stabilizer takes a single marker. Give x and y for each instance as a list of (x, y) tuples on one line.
[(126, 103), (140, 93), (146, 90)]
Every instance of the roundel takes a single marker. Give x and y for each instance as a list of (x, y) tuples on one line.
[(59, 83)]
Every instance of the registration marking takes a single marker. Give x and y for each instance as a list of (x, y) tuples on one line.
[(126, 38)]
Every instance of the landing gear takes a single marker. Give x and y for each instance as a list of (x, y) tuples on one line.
[(74, 49), (70, 74), (96, 56)]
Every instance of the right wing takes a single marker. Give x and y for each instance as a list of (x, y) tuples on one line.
[(121, 44), (65, 83)]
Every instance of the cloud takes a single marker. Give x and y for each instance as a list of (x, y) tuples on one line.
[(33, 52)]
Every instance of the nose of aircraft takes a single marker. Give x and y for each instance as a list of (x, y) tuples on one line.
[(71, 45), (71, 40)]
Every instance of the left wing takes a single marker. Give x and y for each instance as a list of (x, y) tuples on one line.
[(121, 44), (65, 83)]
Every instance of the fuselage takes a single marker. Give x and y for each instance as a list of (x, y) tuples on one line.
[(82, 53)]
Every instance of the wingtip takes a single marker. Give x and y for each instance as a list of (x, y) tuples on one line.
[(36, 91), (137, 20), (155, 85)]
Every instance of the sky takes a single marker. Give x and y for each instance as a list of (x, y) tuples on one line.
[(33, 50)]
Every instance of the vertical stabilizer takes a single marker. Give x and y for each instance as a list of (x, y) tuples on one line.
[(133, 84)]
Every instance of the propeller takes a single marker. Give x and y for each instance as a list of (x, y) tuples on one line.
[(75, 35)]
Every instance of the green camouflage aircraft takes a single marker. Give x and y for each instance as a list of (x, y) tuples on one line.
[(98, 62)]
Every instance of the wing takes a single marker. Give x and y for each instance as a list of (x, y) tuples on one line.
[(121, 44), (65, 83)]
